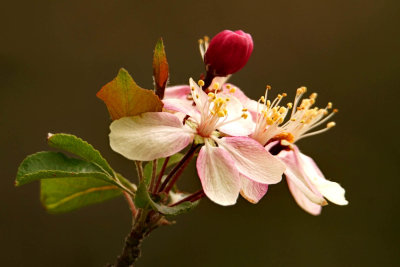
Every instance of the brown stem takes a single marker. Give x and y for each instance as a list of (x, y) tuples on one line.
[(164, 166), (153, 175), (193, 197), (130, 204), (139, 169), (177, 170)]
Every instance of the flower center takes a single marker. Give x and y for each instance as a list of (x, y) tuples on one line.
[(214, 112), (270, 124)]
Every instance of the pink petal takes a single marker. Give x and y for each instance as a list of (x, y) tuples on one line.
[(183, 106), (177, 92), (300, 198), (218, 175), (252, 160), (199, 96), (250, 190), (238, 93), (238, 127), (149, 136), (294, 172), (331, 190)]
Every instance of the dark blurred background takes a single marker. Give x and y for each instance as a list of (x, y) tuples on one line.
[(55, 56)]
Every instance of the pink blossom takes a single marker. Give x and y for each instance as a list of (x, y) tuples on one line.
[(306, 182), (224, 162)]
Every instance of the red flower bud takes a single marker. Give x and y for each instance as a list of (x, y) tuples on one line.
[(228, 52)]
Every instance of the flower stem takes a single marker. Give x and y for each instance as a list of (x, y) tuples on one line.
[(193, 197), (139, 169), (145, 223), (173, 176), (164, 166), (153, 175)]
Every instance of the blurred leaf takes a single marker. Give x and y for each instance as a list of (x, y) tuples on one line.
[(63, 195), (50, 164), (81, 148), (143, 200), (123, 97), (160, 68), (148, 168)]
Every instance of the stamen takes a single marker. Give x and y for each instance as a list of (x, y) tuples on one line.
[(200, 83)]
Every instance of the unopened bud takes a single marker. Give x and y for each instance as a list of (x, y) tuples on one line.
[(228, 52)]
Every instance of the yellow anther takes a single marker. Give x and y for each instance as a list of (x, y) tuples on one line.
[(244, 110), (331, 124), (192, 88), (268, 103), (282, 110), (232, 90), (268, 87), (244, 116), (280, 120), (329, 105), (201, 41), (211, 95), (221, 113), (269, 121), (197, 96), (336, 110), (225, 112), (262, 99), (302, 121), (200, 83), (289, 105), (284, 95), (313, 96), (227, 99), (228, 86), (216, 86), (293, 119), (279, 96), (206, 38)]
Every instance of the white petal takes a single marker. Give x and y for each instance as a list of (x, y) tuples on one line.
[(252, 160), (250, 190), (183, 106), (239, 126), (177, 92), (199, 96), (294, 173), (218, 175), (149, 136), (331, 190), (301, 199)]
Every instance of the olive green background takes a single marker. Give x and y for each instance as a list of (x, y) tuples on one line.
[(55, 56)]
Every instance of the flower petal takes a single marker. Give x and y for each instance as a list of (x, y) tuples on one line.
[(294, 173), (250, 190), (331, 190), (177, 92), (252, 160), (218, 175), (149, 136), (300, 197), (199, 96), (183, 106), (239, 126), (226, 89)]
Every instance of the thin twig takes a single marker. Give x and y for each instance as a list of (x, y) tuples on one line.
[(130, 204), (195, 196), (139, 169), (177, 170), (160, 175), (153, 175)]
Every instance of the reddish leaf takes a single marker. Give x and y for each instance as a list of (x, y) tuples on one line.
[(123, 97), (160, 68)]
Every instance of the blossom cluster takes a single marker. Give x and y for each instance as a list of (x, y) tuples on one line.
[(245, 145)]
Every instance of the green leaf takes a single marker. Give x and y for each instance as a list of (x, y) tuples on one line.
[(148, 168), (124, 98), (81, 148), (160, 68), (62, 195), (143, 200), (50, 164)]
